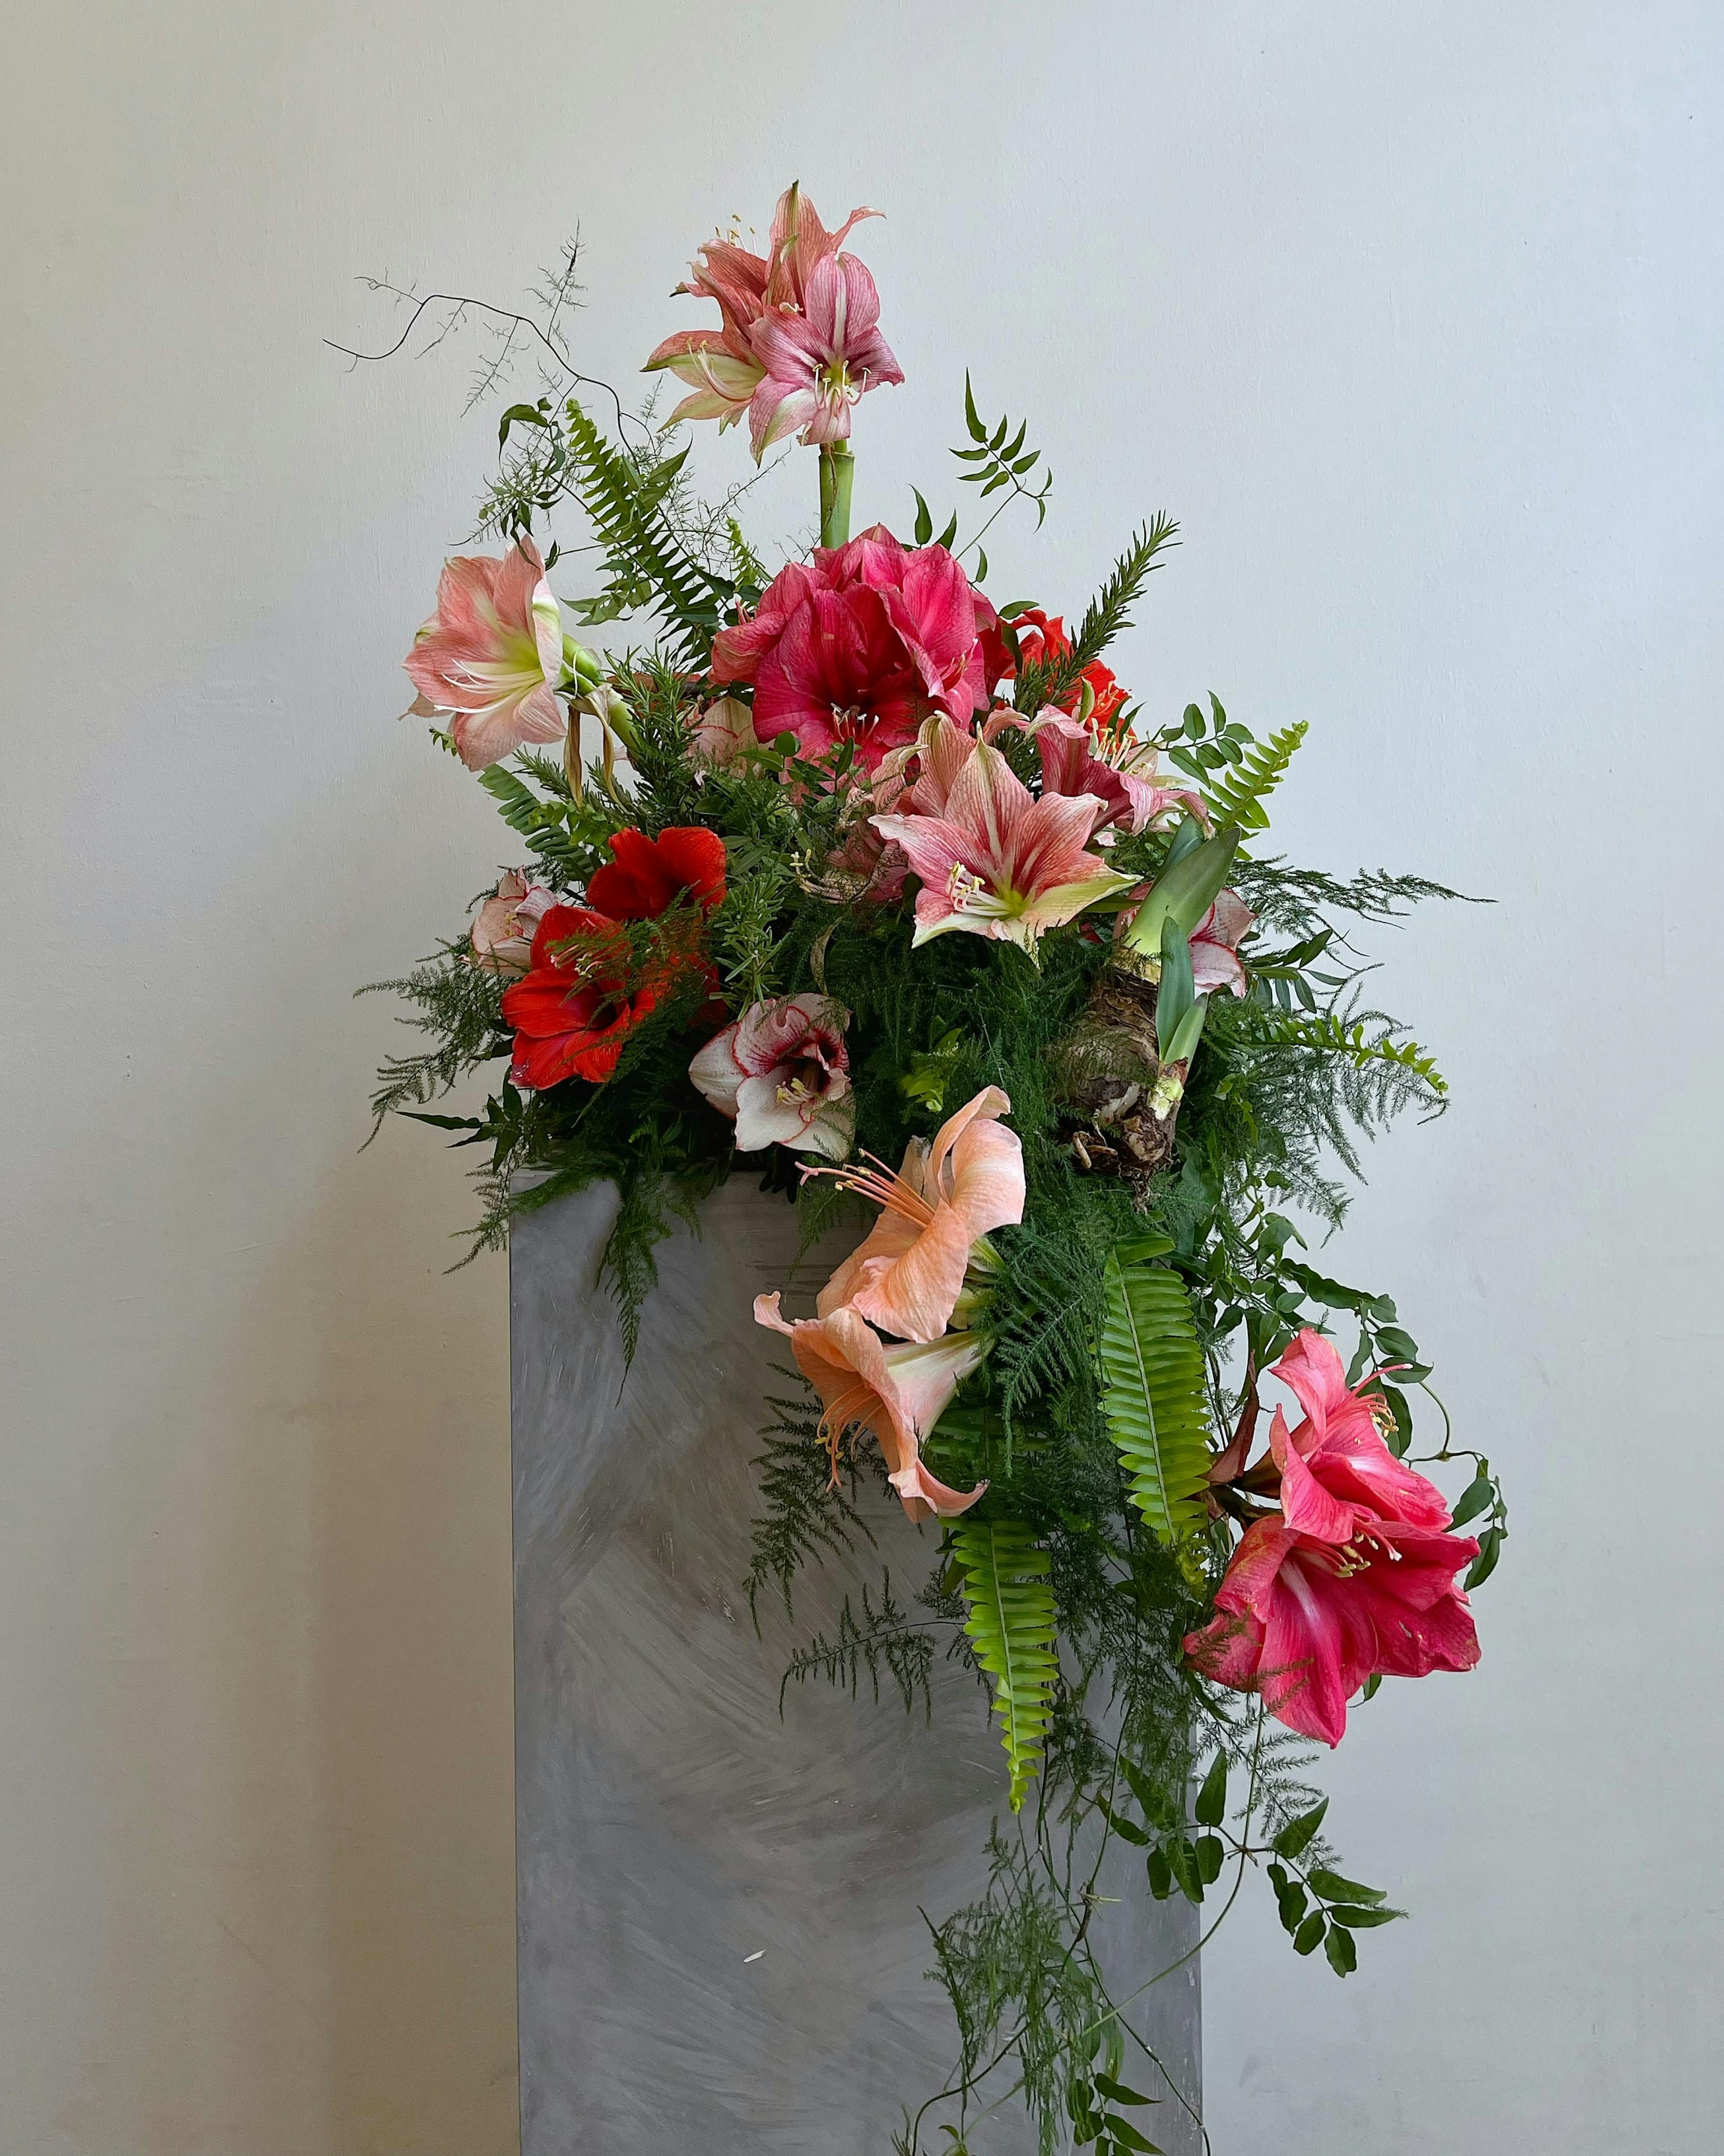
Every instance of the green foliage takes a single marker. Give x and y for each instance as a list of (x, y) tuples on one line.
[(1012, 1625), (1152, 1389), (808, 1513), (1049, 681), (884, 1638), (1236, 796)]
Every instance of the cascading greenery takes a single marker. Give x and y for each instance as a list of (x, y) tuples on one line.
[(1127, 1320)]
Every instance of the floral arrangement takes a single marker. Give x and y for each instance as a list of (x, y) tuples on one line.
[(840, 864)]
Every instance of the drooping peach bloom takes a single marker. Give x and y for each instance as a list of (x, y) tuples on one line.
[(936, 1214), (492, 655), (897, 1392), (782, 1073), (503, 933), (997, 862)]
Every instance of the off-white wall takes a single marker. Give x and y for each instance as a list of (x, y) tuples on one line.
[(1413, 315)]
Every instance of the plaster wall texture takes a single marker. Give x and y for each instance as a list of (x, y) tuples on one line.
[(1413, 316)]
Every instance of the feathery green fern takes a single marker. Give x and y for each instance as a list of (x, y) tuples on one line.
[(1011, 1625), (1152, 1389)]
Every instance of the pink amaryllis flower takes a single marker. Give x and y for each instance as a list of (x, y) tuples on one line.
[(726, 371), (719, 733), (936, 1214), (820, 362), (1304, 1621), (997, 862), (782, 1073), (492, 655), (1214, 947), (861, 644), (503, 933), (1110, 762), (898, 1392), (1337, 1474)]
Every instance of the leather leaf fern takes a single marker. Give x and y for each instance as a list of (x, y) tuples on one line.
[(1236, 796), (1011, 1625), (1153, 1391)]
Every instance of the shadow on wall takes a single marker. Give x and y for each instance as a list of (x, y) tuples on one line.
[(335, 1813)]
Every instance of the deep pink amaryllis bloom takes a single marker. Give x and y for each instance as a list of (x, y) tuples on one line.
[(1111, 763), (1305, 1622), (997, 862), (935, 1215), (782, 1073), (819, 362), (898, 1392), (861, 642), (492, 655), (1337, 1475)]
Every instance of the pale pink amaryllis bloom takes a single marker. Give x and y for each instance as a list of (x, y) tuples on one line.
[(1304, 1621), (997, 862), (492, 655), (936, 1214), (1214, 945), (819, 362), (898, 1392), (1337, 1475), (719, 733), (503, 930), (782, 1073), (1109, 762)]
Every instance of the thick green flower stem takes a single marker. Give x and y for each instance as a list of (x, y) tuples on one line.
[(837, 472)]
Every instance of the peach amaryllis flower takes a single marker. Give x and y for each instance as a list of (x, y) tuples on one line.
[(997, 862), (782, 1073), (897, 1392), (936, 1214), (492, 655)]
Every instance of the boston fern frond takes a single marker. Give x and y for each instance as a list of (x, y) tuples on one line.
[(649, 566), (1012, 1624), (1153, 1392)]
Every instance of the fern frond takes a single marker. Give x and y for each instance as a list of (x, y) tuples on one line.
[(1153, 1394), (625, 506), (1332, 1035), (1107, 613), (1011, 1624), (1236, 795)]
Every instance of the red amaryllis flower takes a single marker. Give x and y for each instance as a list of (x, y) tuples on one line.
[(861, 644), (1305, 1622), (1042, 638), (576, 1006), (584, 993), (645, 875)]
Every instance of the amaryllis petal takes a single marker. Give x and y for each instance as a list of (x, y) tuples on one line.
[(781, 1072), (492, 655), (648, 875)]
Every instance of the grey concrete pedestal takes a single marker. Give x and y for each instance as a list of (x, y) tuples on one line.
[(721, 1947)]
